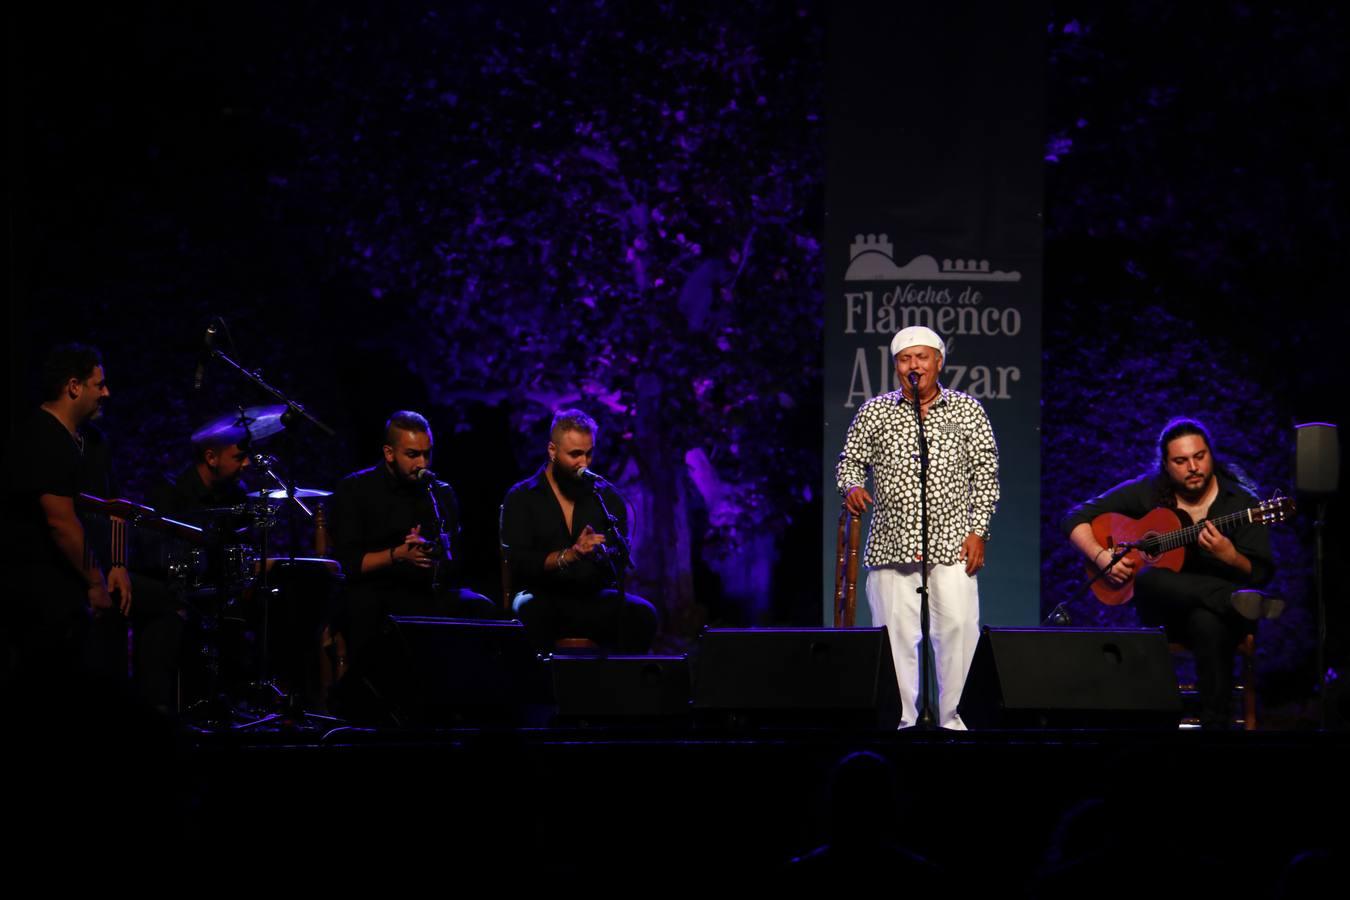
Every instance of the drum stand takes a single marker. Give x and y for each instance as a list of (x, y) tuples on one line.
[(293, 415), (288, 706), (217, 710)]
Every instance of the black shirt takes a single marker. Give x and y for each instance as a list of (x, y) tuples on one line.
[(533, 527), (1141, 495), (187, 498), (43, 458), (373, 510)]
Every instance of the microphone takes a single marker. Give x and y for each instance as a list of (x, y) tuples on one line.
[(591, 477), (914, 385), (425, 477), (208, 340), (263, 461)]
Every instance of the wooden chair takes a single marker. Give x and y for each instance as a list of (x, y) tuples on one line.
[(846, 568), (1244, 685)]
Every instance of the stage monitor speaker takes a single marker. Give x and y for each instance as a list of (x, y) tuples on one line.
[(1071, 678), (426, 670), (1317, 458), (620, 689), (835, 677)]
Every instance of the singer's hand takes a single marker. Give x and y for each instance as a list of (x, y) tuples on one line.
[(972, 553), (588, 541), (416, 549), (857, 500)]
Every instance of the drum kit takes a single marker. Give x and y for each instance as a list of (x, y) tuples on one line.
[(260, 651)]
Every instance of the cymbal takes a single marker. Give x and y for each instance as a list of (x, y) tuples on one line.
[(257, 423), (302, 493), (271, 500)]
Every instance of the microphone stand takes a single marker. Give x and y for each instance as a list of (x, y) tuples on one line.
[(293, 414), (925, 719), (263, 498), (294, 410), (442, 537), (618, 566), (1059, 616)]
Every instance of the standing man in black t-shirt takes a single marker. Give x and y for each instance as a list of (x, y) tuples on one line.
[(397, 556), (564, 562), (64, 580)]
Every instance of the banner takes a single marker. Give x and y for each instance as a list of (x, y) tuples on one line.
[(933, 217)]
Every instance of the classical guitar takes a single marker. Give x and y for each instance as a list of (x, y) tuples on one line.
[(1159, 539)]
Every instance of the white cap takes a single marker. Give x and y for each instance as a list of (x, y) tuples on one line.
[(918, 336)]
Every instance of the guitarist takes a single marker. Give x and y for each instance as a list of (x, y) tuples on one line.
[(1204, 605)]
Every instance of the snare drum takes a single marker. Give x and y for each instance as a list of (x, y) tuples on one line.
[(238, 564), (187, 566), (231, 566)]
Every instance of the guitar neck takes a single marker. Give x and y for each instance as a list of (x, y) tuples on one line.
[(1188, 535)]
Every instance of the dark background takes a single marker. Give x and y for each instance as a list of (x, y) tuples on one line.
[(483, 211)]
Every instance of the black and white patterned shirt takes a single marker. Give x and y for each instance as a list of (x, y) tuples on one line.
[(962, 475)]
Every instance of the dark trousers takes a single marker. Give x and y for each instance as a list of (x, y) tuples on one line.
[(627, 624), (62, 643), (1196, 611), (47, 633), (157, 625)]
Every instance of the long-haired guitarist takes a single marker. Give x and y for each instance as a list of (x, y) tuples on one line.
[(1202, 605)]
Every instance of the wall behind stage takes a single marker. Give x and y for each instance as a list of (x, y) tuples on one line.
[(933, 217)]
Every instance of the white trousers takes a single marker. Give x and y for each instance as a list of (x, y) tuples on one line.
[(954, 625)]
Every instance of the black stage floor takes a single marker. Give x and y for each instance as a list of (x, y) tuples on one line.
[(667, 807)]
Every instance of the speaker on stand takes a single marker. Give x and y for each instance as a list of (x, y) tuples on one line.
[(1317, 476)]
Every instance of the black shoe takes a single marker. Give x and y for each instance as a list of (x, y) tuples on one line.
[(1255, 605)]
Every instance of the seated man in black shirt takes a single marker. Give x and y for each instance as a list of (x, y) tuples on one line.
[(63, 598), (554, 536), (1203, 605), (214, 480), (399, 556), (209, 483)]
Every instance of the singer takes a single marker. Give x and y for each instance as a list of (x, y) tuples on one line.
[(1204, 605), (963, 491), (563, 568), (389, 541)]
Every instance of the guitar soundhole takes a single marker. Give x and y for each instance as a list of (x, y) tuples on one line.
[(1149, 545)]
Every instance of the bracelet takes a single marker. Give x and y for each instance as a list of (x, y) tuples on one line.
[(1098, 554), (562, 558)]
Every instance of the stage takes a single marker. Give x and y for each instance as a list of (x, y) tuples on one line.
[(654, 808)]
